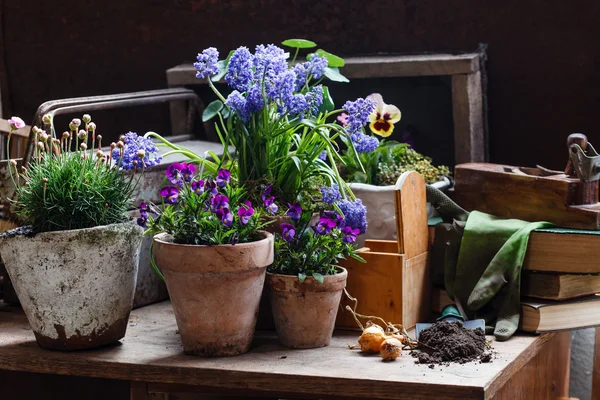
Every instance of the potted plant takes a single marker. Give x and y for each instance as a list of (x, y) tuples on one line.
[(381, 164), (74, 263), (212, 252), (305, 281)]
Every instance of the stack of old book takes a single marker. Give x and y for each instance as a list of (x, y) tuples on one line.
[(560, 282)]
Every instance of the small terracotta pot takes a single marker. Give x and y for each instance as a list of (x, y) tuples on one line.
[(304, 313), (215, 292)]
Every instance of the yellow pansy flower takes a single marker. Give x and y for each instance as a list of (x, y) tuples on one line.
[(383, 117)]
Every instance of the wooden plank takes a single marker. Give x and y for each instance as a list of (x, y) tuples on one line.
[(382, 246), (467, 110), (411, 214), (369, 67), (545, 376), (416, 289), (138, 391), (152, 352), (596, 367)]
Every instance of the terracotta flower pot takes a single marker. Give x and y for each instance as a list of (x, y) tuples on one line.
[(76, 287), (215, 292), (304, 313)]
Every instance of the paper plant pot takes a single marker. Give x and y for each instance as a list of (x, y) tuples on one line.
[(76, 287), (305, 313), (215, 292)]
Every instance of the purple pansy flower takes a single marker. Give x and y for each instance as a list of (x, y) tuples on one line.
[(223, 177), (288, 232), (187, 172), (295, 211), (198, 186), (325, 225), (350, 234), (245, 212), (170, 194), (267, 192), (142, 222), (211, 187), (173, 173), (219, 202), (225, 216), (144, 210), (272, 208)]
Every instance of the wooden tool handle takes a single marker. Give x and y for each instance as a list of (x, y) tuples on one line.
[(582, 141)]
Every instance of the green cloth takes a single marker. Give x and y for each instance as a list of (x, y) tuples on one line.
[(485, 281)]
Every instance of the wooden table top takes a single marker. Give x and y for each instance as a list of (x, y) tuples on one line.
[(152, 352)]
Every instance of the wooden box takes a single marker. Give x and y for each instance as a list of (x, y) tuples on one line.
[(395, 282)]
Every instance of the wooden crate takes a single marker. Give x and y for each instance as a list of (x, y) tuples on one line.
[(395, 282)]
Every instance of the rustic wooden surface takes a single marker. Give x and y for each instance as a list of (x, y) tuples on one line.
[(488, 188), (151, 352), (596, 367)]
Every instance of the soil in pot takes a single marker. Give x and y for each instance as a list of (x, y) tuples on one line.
[(215, 292), (76, 287), (304, 313)]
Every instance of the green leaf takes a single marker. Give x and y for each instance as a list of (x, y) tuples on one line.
[(327, 105), (332, 60), (223, 64), (299, 43), (334, 75), (211, 111), (301, 277), (225, 112), (318, 277)]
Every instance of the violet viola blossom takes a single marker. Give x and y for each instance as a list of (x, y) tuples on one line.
[(288, 232), (245, 212), (173, 173), (325, 225), (219, 202), (198, 187), (225, 216), (295, 211), (211, 187), (170, 194), (187, 172), (223, 177), (350, 234)]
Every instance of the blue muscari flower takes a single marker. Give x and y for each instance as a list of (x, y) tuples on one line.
[(134, 143), (316, 65), (255, 100), (297, 104), (355, 214), (323, 155), (207, 63), (237, 103), (331, 194), (358, 113), (364, 143), (269, 60), (301, 74), (283, 89), (315, 98), (239, 70)]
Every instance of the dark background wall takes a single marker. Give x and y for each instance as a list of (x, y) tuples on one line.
[(544, 74)]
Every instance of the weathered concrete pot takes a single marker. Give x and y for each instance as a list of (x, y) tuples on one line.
[(76, 287), (304, 313), (215, 292)]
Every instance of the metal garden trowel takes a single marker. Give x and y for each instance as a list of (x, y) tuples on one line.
[(450, 313)]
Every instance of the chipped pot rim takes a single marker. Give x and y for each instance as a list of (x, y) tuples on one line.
[(162, 238), (23, 232)]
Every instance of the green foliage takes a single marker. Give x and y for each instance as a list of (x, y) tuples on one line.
[(67, 191), (332, 60), (384, 165), (299, 43)]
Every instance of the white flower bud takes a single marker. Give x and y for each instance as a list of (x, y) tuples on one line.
[(13, 163), (47, 119), (36, 130), (99, 154), (120, 144), (92, 126), (40, 145), (83, 146), (44, 137), (86, 118), (65, 135), (81, 135), (76, 122), (141, 153)]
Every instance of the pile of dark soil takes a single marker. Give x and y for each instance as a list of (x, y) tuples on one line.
[(445, 342)]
